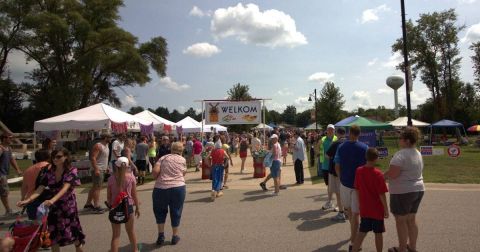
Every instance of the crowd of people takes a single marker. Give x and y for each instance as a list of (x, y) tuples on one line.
[(346, 165)]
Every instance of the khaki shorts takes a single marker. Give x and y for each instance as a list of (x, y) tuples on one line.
[(98, 180), (197, 158), (4, 186), (333, 183), (349, 199)]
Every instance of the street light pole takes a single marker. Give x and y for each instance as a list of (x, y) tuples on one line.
[(315, 104), (407, 66)]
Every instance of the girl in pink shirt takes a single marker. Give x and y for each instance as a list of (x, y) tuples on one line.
[(123, 181)]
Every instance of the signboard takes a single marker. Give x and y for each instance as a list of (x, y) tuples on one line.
[(426, 150), (382, 152), (438, 152), (233, 112), (453, 151), (369, 138)]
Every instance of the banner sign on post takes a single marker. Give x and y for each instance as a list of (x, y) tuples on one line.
[(233, 112), (369, 138), (426, 150), (382, 152)]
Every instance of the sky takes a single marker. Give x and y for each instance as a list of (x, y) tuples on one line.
[(282, 50)]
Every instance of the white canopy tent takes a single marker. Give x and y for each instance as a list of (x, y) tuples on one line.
[(189, 125), (402, 122), (95, 117), (263, 126), (157, 121), (218, 128), (312, 127)]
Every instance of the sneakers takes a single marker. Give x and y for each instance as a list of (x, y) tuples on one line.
[(160, 239), (219, 194), (339, 217), (213, 195), (263, 186), (88, 207), (283, 187), (327, 206), (175, 239), (275, 194), (98, 210)]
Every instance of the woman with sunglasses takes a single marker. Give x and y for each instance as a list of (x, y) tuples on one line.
[(63, 222)]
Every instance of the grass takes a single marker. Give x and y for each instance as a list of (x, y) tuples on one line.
[(437, 169)]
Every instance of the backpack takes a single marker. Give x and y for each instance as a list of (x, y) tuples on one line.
[(119, 212)]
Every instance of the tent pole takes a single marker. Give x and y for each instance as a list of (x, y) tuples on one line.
[(203, 118), (264, 124)]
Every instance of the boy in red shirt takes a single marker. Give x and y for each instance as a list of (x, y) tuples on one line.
[(371, 188)]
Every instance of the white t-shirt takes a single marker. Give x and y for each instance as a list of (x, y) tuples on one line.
[(118, 147), (411, 166), (256, 143)]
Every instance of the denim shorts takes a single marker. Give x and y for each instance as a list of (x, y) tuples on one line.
[(275, 169)]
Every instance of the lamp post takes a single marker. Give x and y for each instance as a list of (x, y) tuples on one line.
[(315, 105), (407, 66)]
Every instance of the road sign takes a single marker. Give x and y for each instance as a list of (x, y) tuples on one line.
[(453, 151)]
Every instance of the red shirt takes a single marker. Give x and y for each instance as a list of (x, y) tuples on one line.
[(197, 147), (370, 183), (217, 156)]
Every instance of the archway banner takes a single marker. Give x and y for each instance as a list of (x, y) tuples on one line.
[(233, 112)]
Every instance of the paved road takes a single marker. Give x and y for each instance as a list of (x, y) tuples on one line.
[(248, 219)]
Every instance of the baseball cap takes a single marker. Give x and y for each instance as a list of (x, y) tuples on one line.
[(331, 126), (274, 136), (121, 160)]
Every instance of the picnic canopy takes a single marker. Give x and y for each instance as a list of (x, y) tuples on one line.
[(312, 127), (157, 121), (263, 126), (189, 125), (363, 122), (218, 128), (96, 117), (448, 124), (403, 122)]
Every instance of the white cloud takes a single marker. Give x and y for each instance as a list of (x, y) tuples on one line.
[(181, 109), (472, 34), (130, 101), (18, 66), (271, 28), (372, 62), (362, 98), (321, 77), (384, 91), (466, 1), (371, 15), (284, 92), (197, 12), (417, 96), (393, 61), (302, 103), (279, 107), (167, 82), (202, 50)]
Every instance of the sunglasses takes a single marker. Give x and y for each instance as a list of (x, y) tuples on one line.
[(58, 156)]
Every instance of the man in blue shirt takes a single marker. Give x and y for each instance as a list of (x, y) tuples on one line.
[(350, 155), (298, 157)]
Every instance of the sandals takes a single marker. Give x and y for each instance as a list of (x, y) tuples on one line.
[(396, 249)]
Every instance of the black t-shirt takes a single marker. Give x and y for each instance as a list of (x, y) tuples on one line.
[(331, 153)]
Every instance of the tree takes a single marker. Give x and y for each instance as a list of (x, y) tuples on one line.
[(303, 119), (330, 104), (135, 110), (11, 109), (239, 92), (273, 116), (193, 114), (289, 115), (434, 56), (163, 112), (81, 52), (175, 116), (476, 62)]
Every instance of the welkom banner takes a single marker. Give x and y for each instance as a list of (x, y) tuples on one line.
[(233, 112)]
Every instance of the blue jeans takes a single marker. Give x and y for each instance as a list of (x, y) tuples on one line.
[(217, 177), (165, 199)]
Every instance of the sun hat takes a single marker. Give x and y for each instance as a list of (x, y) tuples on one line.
[(331, 126), (274, 136), (121, 160)]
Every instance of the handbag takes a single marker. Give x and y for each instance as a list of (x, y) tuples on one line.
[(119, 212), (268, 160)]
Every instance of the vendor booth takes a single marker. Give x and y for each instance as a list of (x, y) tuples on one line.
[(369, 129), (402, 122), (447, 127), (160, 124)]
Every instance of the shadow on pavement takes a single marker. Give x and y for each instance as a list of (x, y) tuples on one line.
[(312, 220), (249, 193), (321, 197), (144, 247), (333, 247), (201, 200), (201, 191), (248, 178), (258, 197)]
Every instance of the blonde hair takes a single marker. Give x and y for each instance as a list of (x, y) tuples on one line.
[(177, 148)]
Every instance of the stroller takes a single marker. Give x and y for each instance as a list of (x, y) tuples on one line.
[(30, 235)]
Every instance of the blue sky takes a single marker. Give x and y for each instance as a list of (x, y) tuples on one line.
[(281, 49)]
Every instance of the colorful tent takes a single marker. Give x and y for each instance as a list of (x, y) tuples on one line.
[(363, 122), (96, 117), (474, 128), (402, 122)]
